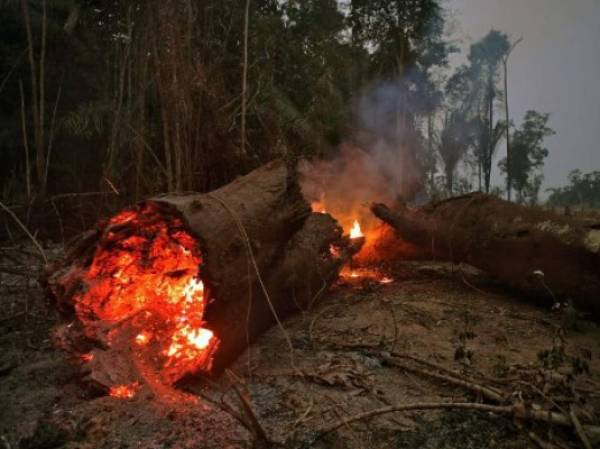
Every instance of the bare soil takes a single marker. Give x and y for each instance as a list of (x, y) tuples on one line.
[(454, 317)]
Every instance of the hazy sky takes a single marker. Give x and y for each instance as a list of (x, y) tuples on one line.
[(555, 69)]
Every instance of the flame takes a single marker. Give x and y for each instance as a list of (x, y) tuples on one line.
[(143, 338), (87, 357), (144, 285), (124, 391), (356, 232)]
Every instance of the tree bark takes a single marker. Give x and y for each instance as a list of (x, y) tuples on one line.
[(544, 255), (257, 231)]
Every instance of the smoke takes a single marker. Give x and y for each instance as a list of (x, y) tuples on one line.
[(377, 163)]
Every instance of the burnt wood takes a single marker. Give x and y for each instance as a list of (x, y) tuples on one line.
[(256, 234), (513, 243)]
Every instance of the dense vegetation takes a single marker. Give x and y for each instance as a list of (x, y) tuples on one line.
[(582, 191), (162, 95)]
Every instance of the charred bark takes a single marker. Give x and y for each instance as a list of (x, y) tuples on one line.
[(540, 253), (257, 235)]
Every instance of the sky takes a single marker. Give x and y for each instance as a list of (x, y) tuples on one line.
[(555, 69)]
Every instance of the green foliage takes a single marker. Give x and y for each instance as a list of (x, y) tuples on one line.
[(528, 154), (583, 191)]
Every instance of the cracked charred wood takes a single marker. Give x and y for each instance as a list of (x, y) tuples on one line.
[(547, 256), (255, 235)]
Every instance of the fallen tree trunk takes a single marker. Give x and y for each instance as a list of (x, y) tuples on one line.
[(535, 251), (255, 245)]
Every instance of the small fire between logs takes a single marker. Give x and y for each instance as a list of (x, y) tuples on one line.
[(145, 292), (352, 272)]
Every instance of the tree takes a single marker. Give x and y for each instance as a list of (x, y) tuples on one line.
[(475, 87), (583, 190), (506, 114), (405, 38), (528, 154), (455, 139)]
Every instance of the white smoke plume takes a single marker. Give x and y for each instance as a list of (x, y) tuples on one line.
[(377, 164)]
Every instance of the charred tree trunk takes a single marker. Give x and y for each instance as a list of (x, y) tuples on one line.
[(537, 252), (255, 235)]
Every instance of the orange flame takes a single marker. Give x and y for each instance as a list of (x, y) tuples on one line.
[(145, 278), (124, 391), (356, 232)]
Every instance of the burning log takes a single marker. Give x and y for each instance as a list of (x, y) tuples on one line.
[(182, 284), (535, 251)]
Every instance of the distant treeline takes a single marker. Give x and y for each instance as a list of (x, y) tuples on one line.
[(583, 191)]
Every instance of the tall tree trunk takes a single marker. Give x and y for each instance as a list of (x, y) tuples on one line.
[(41, 141), (489, 151), (507, 116), (245, 78), (35, 85)]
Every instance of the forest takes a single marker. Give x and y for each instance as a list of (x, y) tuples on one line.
[(138, 98), (286, 224)]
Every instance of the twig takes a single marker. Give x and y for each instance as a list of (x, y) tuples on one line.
[(75, 195), (486, 392), (112, 186), (305, 414), (579, 429), (536, 439), (516, 411), (448, 371), (499, 409), (24, 228), (244, 397)]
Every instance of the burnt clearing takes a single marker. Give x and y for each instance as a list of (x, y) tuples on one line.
[(365, 346)]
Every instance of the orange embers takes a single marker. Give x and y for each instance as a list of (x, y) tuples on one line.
[(125, 391), (143, 287)]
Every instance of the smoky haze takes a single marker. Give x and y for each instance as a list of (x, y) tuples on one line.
[(377, 163), (555, 69)]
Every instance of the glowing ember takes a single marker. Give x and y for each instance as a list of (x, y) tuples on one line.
[(87, 357), (319, 205), (355, 232), (354, 274), (386, 280), (125, 391), (144, 288), (334, 251), (143, 338)]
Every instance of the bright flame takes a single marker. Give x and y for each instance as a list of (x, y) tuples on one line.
[(143, 338), (144, 285), (124, 391), (386, 280), (355, 232)]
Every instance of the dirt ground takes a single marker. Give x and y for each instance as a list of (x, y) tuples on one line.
[(364, 346)]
